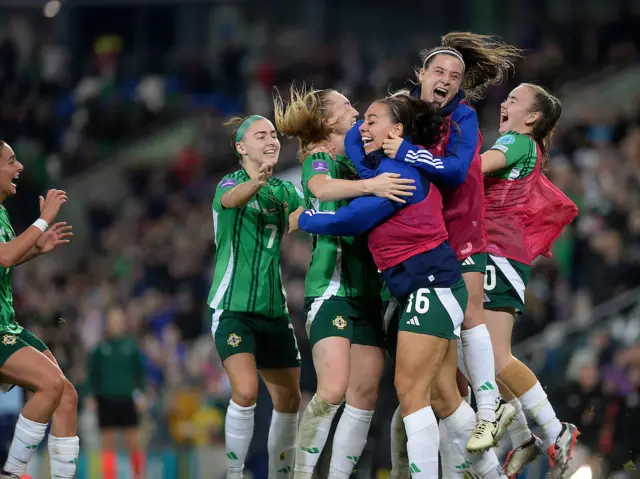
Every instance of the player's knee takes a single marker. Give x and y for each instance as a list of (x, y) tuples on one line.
[(69, 399), (52, 386), (245, 395), (288, 403), (332, 385), (332, 392), (363, 394)]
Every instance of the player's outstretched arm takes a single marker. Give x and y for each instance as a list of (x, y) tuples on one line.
[(358, 217), (240, 195), (12, 252)]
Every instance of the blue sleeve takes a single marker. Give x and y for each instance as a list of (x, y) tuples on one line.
[(354, 150), (365, 212), (357, 218), (450, 170)]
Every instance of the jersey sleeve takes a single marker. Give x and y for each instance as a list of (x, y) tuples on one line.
[(225, 184), (516, 148), (317, 164), (358, 217), (450, 169), (364, 212)]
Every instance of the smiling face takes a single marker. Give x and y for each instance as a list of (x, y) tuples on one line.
[(10, 168), (441, 79), (260, 143), (378, 123), (342, 116), (515, 114)]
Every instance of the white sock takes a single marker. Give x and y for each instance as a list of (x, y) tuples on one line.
[(26, 438), (399, 458), (313, 433), (282, 444), (423, 441), (535, 402), (519, 431), (349, 441), (63, 454), (454, 463), (479, 362), (238, 431), (460, 425)]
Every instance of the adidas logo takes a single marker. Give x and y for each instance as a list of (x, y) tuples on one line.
[(468, 262), (414, 321), (310, 450), (285, 470), (255, 205), (354, 459), (486, 298), (486, 387)]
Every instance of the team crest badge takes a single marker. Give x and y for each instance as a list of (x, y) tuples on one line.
[(8, 340), (234, 340), (340, 323)]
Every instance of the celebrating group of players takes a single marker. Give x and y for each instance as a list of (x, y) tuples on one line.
[(420, 244)]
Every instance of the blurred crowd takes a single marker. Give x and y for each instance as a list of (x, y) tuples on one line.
[(153, 254)]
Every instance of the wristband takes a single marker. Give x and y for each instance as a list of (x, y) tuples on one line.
[(41, 224)]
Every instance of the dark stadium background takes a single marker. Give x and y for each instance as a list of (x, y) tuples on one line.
[(121, 104)]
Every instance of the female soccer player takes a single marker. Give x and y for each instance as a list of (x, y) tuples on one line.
[(342, 289), (462, 67), (25, 361), (419, 267), (522, 222), (115, 375), (251, 325)]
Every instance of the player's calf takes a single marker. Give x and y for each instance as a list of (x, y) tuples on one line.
[(64, 444)]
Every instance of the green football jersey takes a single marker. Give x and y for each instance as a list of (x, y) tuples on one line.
[(246, 275), (340, 266), (521, 152), (7, 314)]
